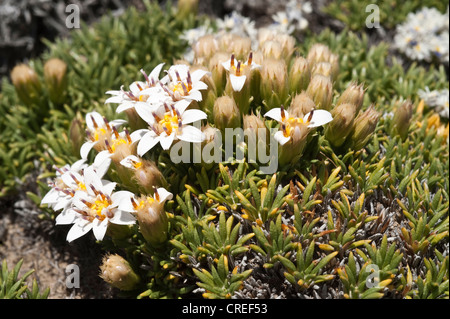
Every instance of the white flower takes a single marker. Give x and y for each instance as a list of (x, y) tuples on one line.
[(181, 84), (237, 24), (127, 99), (61, 193), (313, 119), (95, 208), (424, 35), (168, 124), (438, 100), (283, 22), (239, 71), (98, 130), (150, 203)]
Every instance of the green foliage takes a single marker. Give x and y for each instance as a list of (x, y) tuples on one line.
[(307, 271), (14, 287), (219, 283)]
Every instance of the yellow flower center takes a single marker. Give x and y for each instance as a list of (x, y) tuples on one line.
[(169, 122), (99, 132), (98, 207)]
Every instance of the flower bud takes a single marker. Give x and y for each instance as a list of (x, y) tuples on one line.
[(274, 86), (140, 175), (116, 271), (337, 130), (257, 135), (364, 126), (187, 8), (322, 53), (152, 220), (320, 89), (27, 84), (77, 134), (272, 50), (287, 44), (240, 46), (301, 105), (402, 119), (55, 76), (353, 94), (205, 47), (323, 68), (299, 75), (210, 148), (266, 34), (318, 53), (226, 113), (218, 72), (209, 95), (291, 151)]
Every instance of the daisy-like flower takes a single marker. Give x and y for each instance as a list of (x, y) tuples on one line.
[(282, 22), (128, 99), (239, 71), (95, 208), (313, 119), (61, 193), (181, 84), (167, 124), (99, 130), (118, 146), (69, 180)]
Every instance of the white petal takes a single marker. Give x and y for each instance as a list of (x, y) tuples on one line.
[(147, 142), (120, 196), (144, 110), (166, 141), (319, 118), (86, 148), (155, 72), (92, 179), (237, 82), (195, 95), (279, 136), (190, 116), (62, 203), (276, 114), (122, 218), (126, 205), (98, 118), (114, 99), (197, 86), (117, 123), (164, 194), (99, 228), (182, 105), (101, 163), (114, 92), (51, 197), (108, 187), (80, 228), (191, 134), (125, 106), (66, 218), (197, 75)]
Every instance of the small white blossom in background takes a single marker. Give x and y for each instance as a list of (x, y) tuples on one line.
[(293, 17), (424, 36), (436, 99)]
